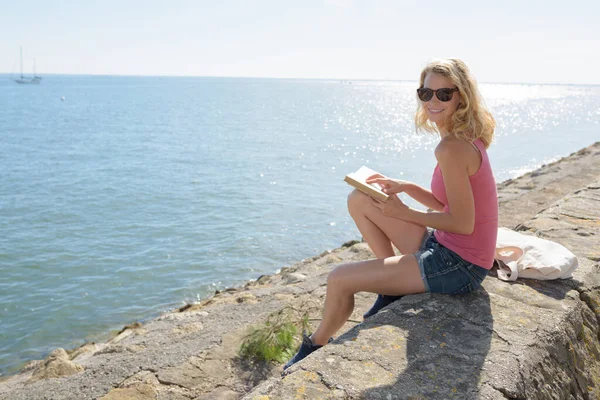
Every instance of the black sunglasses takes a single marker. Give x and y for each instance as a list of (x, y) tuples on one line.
[(443, 94)]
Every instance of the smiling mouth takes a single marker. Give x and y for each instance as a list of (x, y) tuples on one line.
[(434, 111)]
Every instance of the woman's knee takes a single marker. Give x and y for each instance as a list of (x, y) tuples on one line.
[(338, 277), (357, 201)]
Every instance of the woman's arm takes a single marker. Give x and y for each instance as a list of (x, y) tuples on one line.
[(452, 158), (394, 186), (424, 197)]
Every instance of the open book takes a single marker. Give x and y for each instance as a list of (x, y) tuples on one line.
[(358, 180)]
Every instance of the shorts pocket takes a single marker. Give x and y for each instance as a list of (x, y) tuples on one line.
[(466, 278), (468, 288), (477, 272), (448, 256)]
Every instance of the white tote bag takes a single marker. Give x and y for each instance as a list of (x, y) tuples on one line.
[(525, 256)]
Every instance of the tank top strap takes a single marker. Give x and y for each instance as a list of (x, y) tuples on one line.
[(478, 144)]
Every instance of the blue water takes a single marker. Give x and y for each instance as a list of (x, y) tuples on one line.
[(136, 195)]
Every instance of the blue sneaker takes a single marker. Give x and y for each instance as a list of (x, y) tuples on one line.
[(306, 348), (381, 302)]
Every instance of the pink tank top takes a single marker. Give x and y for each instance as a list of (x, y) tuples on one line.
[(480, 246)]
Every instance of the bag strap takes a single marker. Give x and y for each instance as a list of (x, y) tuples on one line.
[(508, 258)]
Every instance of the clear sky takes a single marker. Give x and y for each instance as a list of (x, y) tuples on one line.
[(502, 41)]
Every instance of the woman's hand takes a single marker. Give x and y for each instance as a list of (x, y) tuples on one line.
[(393, 207), (388, 185)]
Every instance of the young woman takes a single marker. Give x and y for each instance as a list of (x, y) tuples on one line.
[(447, 250)]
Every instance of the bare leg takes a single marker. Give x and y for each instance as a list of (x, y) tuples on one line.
[(398, 275), (380, 231)]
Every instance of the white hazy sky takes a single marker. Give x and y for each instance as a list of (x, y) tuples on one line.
[(502, 41)]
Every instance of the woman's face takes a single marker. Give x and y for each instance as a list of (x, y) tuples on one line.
[(438, 111)]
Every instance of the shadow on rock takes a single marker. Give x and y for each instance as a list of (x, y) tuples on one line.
[(556, 289), (252, 372), (441, 343)]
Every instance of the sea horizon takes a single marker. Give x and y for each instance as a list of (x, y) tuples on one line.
[(391, 80)]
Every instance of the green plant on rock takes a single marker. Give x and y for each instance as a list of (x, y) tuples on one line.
[(277, 339), (271, 342)]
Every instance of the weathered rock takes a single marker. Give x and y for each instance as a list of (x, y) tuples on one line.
[(84, 351), (30, 366), (140, 391), (188, 328), (195, 373), (56, 365), (220, 393), (246, 298), (119, 348), (523, 197), (293, 278)]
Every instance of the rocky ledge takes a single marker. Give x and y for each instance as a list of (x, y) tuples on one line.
[(527, 339)]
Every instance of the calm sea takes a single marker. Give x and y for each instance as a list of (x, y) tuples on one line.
[(123, 197)]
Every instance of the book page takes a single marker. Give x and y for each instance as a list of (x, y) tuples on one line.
[(363, 173), (358, 180)]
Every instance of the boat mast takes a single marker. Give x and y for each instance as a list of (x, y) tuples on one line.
[(21, 62)]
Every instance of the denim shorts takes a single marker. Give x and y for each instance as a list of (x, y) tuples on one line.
[(444, 271)]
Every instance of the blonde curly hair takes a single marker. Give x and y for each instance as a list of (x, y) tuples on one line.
[(471, 120)]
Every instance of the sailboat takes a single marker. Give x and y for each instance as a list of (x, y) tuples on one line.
[(28, 79)]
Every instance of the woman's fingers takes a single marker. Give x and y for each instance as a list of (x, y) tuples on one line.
[(388, 186), (381, 181), (374, 176)]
